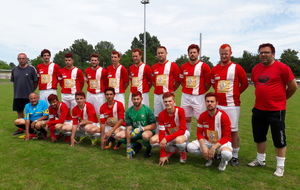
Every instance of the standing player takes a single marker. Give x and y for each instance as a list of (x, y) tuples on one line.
[(274, 83), (195, 81), (213, 134), (71, 80), (140, 124), (48, 76), (165, 78), (172, 131), (96, 78), (140, 77), (59, 114), (111, 118), (229, 81), (25, 82), (117, 77)]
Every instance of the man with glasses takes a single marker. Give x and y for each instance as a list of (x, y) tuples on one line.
[(25, 82), (274, 84)]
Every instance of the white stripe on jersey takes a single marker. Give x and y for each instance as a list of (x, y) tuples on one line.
[(218, 124), (140, 75), (74, 76), (167, 69), (118, 75), (98, 77), (230, 77), (197, 73), (50, 72)]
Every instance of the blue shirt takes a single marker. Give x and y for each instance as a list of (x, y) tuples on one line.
[(33, 113)]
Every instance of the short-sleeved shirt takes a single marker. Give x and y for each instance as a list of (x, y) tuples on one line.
[(59, 115), (140, 77), (88, 113), (33, 113), (164, 77), (270, 85), (111, 115), (71, 80), (23, 79), (142, 117), (96, 80), (117, 77), (194, 77), (48, 76)]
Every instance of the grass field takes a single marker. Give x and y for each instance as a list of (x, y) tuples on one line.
[(39, 164)]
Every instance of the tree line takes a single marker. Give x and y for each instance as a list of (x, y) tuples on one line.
[(82, 50)]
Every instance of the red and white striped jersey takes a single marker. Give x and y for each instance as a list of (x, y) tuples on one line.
[(164, 77), (140, 77), (48, 76), (96, 79), (194, 77), (71, 80), (229, 82), (117, 77)]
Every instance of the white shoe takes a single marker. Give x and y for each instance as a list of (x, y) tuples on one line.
[(279, 171), (222, 165), (209, 163), (256, 163)]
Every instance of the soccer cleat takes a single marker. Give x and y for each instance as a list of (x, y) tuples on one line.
[(222, 165), (53, 139), (137, 148), (19, 131), (67, 139), (33, 136), (108, 146), (170, 154), (22, 137), (148, 152), (256, 163), (94, 141), (279, 171), (81, 139), (118, 146), (183, 157), (209, 163), (234, 161)]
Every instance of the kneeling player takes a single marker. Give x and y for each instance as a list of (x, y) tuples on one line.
[(140, 124), (59, 114), (173, 133), (213, 134), (111, 118)]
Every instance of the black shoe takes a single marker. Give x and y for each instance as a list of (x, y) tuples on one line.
[(17, 132), (137, 148), (148, 153), (234, 161)]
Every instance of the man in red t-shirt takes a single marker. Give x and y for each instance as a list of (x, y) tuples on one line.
[(48, 73), (165, 78), (140, 77), (274, 83), (96, 78), (229, 81), (195, 81), (172, 131), (213, 134), (117, 77), (71, 80)]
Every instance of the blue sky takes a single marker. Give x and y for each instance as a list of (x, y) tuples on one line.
[(32, 26)]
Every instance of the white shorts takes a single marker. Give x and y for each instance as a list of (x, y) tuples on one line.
[(233, 114), (96, 125), (96, 99), (68, 122), (145, 99), (159, 105), (193, 105), (45, 93), (120, 97), (108, 128), (69, 99), (173, 142), (208, 145)]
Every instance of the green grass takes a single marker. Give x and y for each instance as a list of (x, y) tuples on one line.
[(39, 164)]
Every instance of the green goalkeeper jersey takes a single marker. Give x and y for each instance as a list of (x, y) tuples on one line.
[(142, 117)]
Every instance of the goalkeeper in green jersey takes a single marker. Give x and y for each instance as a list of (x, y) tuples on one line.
[(140, 124)]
